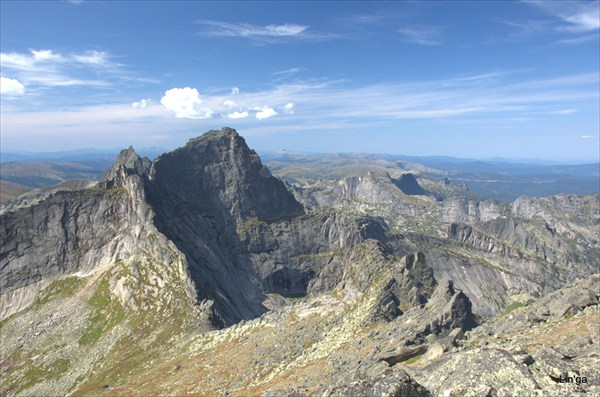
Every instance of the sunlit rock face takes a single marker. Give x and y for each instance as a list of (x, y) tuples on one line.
[(150, 281)]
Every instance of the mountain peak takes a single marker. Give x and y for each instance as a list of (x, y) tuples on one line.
[(215, 134), (128, 162), (218, 169)]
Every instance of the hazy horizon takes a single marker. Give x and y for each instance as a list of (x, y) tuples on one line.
[(474, 80), (281, 151)]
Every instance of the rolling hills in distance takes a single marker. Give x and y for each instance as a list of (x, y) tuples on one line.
[(498, 179)]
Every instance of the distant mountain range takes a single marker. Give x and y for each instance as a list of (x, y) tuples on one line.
[(500, 180), (77, 155), (497, 178)]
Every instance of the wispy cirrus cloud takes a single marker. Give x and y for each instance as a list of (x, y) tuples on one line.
[(268, 33), (36, 59), (485, 94), (579, 40), (51, 69), (362, 19), (247, 30), (578, 21), (524, 29), (420, 35), (321, 105), (45, 68), (576, 16), (290, 71), (94, 58)]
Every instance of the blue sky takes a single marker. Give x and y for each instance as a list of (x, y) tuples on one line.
[(518, 80)]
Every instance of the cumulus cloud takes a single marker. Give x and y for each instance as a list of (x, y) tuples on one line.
[(229, 103), (185, 103), (265, 113), (11, 87), (235, 91), (141, 104), (238, 115), (289, 108)]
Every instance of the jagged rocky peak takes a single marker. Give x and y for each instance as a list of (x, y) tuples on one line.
[(219, 170), (128, 162), (410, 186)]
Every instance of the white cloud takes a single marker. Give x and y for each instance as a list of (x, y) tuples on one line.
[(51, 69), (566, 111), (11, 87), (289, 71), (235, 91), (579, 40), (45, 55), (265, 113), (587, 137), (33, 60), (486, 98), (94, 58), (141, 104), (226, 29), (15, 61), (584, 18), (238, 115), (577, 16), (185, 103), (229, 104), (289, 108)]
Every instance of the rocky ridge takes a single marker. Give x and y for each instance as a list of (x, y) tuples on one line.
[(203, 254), (493, 250)]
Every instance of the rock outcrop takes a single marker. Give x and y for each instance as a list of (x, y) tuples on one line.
[(391, 383), (491, 250), (150, 281), (546, 347)]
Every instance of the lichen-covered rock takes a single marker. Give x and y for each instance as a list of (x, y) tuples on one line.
[(479, 372), (391, 383)]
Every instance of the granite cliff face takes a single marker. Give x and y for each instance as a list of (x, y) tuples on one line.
[(494, 251), (201, 194), (149, 281), (241, 232), (82, 232)]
